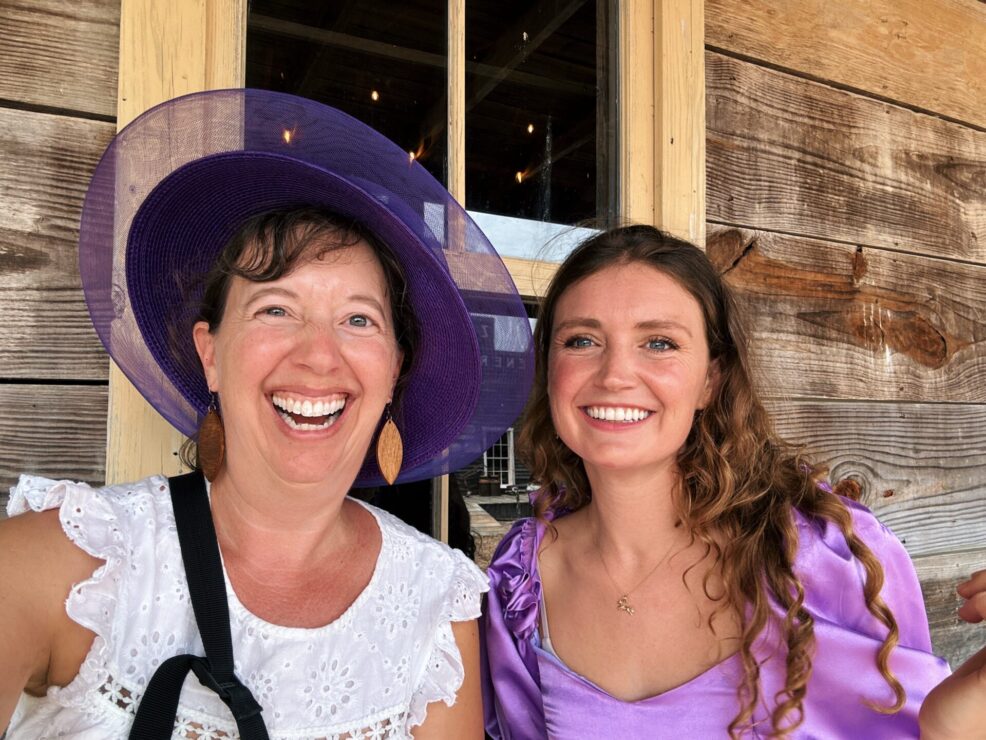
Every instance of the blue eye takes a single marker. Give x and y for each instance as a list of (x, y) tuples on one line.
[(579, 342), (274, 311), (359, 320), (661, 345)]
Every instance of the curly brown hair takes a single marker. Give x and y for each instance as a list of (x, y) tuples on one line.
[(740, 483)]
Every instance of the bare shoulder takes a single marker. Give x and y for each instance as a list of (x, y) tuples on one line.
[(38, 567), (563, 537), (34, 543)]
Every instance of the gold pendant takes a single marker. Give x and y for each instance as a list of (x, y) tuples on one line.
[(624, 605)]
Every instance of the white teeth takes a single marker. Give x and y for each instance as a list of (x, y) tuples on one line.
[(624, 414), (308, 408), (307, 427)]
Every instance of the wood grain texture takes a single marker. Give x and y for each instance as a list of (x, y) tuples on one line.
[(47, 335), (835, 321), (636, 116), (921, 466), (930, 54), (47, 160), (951, 638), (530, 276), (53, 431), (679, 118), (795, 156), (60, 54)]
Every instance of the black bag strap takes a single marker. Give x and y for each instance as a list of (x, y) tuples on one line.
[(203, 569)]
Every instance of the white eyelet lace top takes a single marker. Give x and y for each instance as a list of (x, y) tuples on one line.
[(369, 674)]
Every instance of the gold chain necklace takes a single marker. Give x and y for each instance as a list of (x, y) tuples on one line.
[(623, 603)]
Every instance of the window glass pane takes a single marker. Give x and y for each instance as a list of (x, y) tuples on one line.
[(382, 61), (540, 121)]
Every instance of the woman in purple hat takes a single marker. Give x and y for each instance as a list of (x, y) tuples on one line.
[(687, 574), (283, 286)]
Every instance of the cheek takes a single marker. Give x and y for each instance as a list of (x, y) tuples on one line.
[(375, 362), (243, 354), (563, 383)]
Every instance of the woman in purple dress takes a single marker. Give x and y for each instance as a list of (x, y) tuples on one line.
[(687, 573)]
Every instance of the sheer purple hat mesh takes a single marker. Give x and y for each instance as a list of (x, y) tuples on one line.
[(175, 185)]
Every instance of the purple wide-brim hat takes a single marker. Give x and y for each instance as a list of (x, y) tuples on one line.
[(178, 182)]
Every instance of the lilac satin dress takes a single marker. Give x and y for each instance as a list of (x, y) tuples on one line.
[(529, 694)]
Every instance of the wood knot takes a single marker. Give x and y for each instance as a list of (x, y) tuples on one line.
[(848, 488)]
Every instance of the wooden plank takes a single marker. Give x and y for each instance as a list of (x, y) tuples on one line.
[(831, 320), (951, 638), (790, 155), (57, 431), (930, 54), (679, 115), (47, 162), (174, 47), (167, 48), (922, 466), (531, 277), (46, 335), (60, 54), (636, 114), (662, 115)]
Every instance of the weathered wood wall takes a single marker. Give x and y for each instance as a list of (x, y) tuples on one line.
[(846, 166), (846, 191), (58, 82)]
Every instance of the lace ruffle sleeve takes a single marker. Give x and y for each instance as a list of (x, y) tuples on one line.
[(443, 672), (92, 525)]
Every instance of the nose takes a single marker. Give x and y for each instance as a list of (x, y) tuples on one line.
[(615, 369), (317, 349)]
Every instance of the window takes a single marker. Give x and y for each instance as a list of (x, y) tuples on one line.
[(539, 116)]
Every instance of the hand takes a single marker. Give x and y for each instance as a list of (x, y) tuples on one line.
[(956, 708)]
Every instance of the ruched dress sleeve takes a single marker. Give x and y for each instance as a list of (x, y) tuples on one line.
[(511, 678), (845, 683)]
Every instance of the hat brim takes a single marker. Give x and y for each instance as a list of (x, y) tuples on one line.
[(179, 181), (184, 223)]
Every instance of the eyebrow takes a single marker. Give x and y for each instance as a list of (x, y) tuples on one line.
[(269, 291), (273, 290), (650, 325)]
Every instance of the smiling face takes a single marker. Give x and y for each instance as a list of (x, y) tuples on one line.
[(628, 367), (304, 366)]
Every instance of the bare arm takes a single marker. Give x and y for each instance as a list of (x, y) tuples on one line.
[(464, 719), (956, 708), (39, 645)]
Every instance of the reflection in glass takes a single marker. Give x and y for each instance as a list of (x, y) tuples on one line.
[(540, 131), (382, 61)]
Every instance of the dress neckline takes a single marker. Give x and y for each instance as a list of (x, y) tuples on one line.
[(548, 652)]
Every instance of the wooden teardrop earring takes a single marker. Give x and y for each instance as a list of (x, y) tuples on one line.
[(390, 449), (211, 442)]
